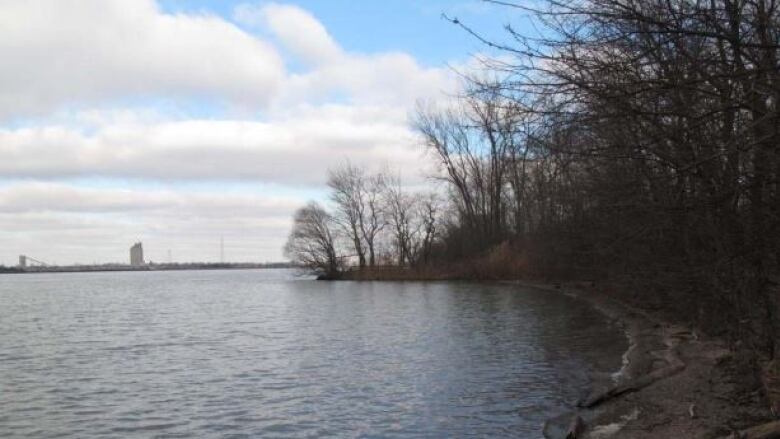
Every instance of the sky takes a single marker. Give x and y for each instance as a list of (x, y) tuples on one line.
[(182, 123)]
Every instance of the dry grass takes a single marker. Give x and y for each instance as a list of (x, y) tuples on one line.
[(502, 262)]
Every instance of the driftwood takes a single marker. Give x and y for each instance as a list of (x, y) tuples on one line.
[(763, 431), (575, 427), (675, 366), (632, 385)]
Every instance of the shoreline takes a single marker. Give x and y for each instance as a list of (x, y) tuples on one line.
[(674, 383)]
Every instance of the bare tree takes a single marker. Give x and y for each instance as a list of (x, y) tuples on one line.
[(400, 207), (346, 183), (357, 197), (312, 243), (477, 146), (372, 220), (427, 211)]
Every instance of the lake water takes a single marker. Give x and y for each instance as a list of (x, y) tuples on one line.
[(262, 353)]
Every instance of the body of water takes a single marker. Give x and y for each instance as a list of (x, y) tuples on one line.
[(262, 353)]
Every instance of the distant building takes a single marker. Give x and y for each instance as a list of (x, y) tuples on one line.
[(137, 254), (22, 261)]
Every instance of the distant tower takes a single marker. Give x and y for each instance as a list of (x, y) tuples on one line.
[(22, 261), (222, 249), (137, 254)]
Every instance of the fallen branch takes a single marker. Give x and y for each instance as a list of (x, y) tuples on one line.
[(675, 366), (632, 385)]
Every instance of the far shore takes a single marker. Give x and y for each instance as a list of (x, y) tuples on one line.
[(144, 267)]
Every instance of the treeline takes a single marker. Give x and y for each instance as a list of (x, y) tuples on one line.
[(634, 141), (4, 269), (629, 141), (373, 221)]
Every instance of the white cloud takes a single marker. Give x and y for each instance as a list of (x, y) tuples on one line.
[(52, 221), (294, 148), (60, 53), (296, 28), (111, 47), (388, 78), (71, 53), (60, 197), (392, 78)]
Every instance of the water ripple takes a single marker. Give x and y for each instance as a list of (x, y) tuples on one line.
[(258, 354)]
